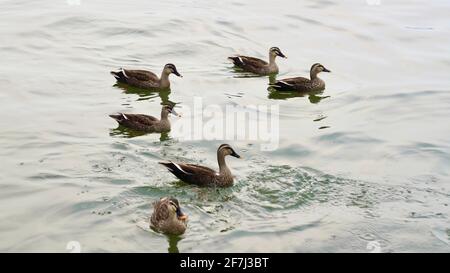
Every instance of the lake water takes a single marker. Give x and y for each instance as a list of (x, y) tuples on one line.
[(363, 166)]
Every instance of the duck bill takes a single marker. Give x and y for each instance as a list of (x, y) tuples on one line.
[(173, 112), (235, 155), (326, 70), (282, 55), (181, 216), (178, 74)]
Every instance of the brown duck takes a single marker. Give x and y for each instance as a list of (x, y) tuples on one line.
[(301, 84), (146, 123), (167, 217), (204, 176), (146, 79), (258, 66)]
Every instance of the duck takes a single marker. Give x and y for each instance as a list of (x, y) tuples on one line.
[(204, 176), (167, 217), (302, 84), (258, 66), (146, 79), (146, 123)]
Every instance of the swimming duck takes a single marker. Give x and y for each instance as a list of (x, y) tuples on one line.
[(146, 79), (167, 217), (147, 123), (303, 84), (258, 66), (204, 176)]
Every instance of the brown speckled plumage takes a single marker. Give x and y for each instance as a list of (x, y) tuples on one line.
[(146, 79), (301, 84), (204, 176), (258, 66), (146, 123), (167, 217)]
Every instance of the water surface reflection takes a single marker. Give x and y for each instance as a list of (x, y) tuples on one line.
[(313, 97), (146, 94)]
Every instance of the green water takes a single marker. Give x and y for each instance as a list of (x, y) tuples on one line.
[(365, 161)]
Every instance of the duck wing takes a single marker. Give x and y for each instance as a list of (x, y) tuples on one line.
[(135, 120), (128, 75), (290, 84), (140, 75), (160, 213), (246, 62), (192, 174)]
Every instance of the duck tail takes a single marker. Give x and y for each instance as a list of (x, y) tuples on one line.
[(236, 61), (169, 165), (175, 168), (281, 86), (118, 117), (119, 75)]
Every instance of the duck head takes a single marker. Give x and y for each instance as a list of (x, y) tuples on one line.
[(170, 68), (275, 51), (316, 69), (226, 149), (168, 109), (175, 209)]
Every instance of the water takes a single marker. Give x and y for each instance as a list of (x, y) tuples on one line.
[(363, 166)]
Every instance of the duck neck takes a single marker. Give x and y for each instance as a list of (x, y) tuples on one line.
[(164, 115), (313, 75), (164, 81), (272, 58), (223, 169)]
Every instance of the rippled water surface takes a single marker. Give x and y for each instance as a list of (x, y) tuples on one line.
[(365, 164)]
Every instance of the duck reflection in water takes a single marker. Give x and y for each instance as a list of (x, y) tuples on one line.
[(122, 131), (239, 73), (314, 97), (173, 243), (146, 94)]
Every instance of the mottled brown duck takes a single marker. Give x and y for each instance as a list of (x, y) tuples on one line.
[(146, 79), (146, 123), (204, 176), (258, 66), (301, 84), (167, 217)]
